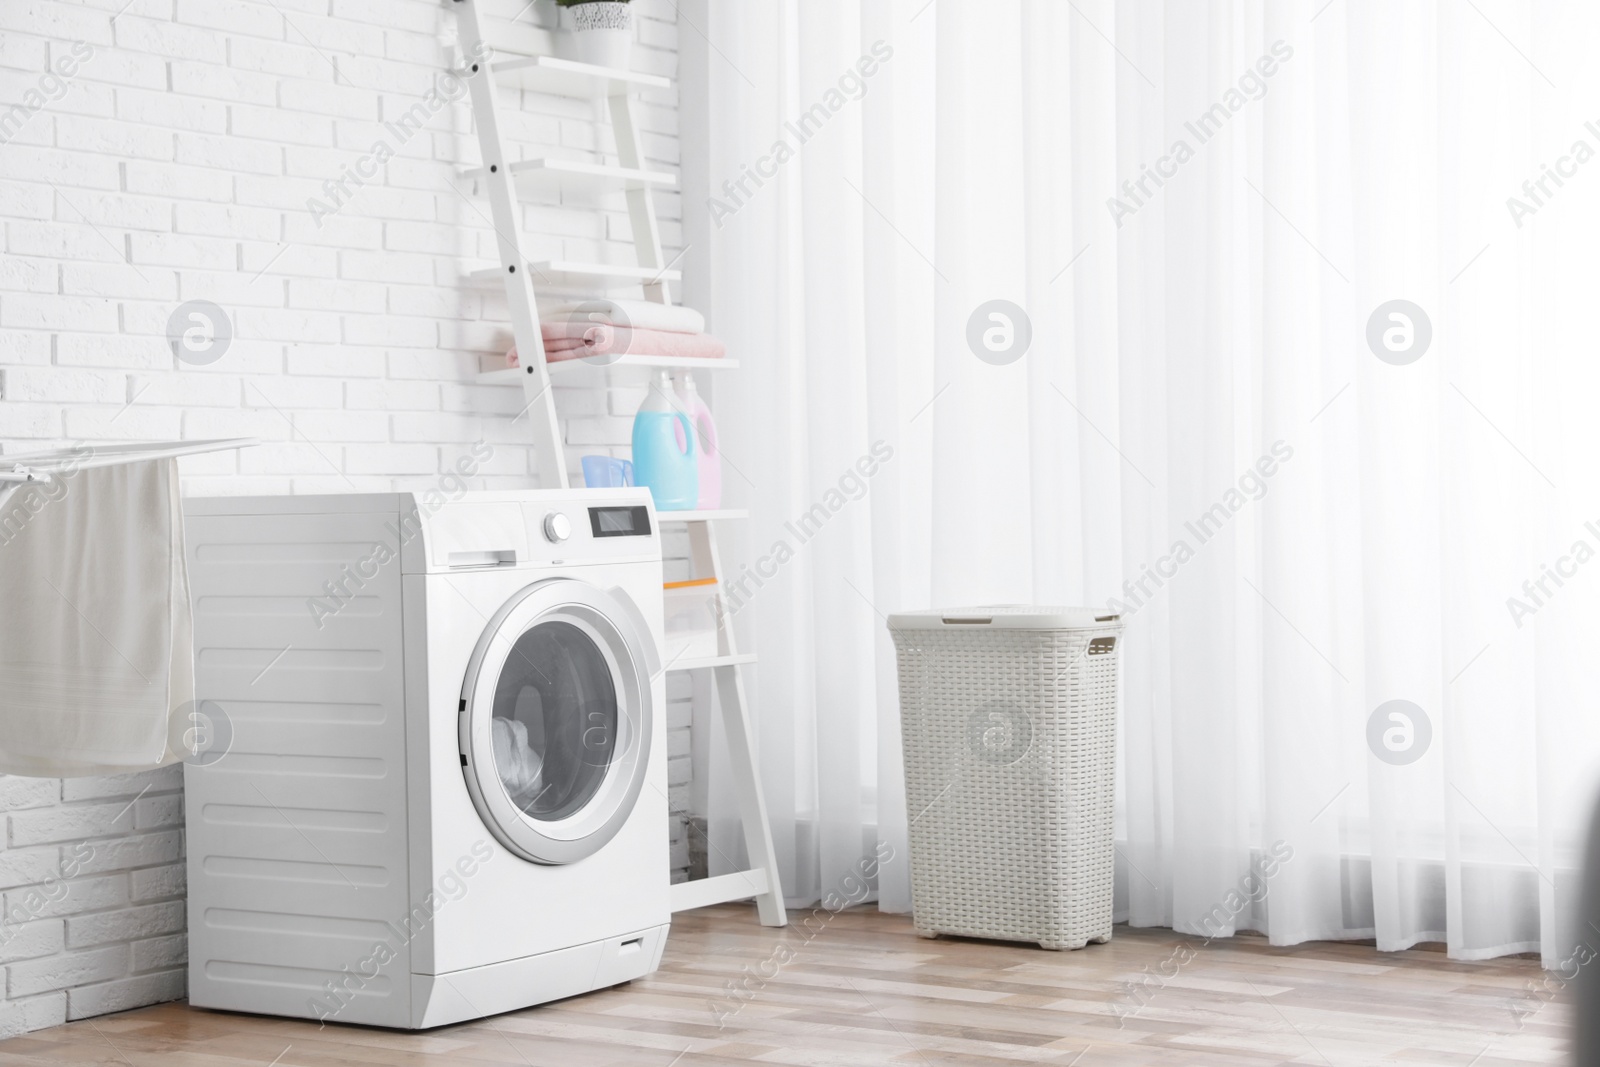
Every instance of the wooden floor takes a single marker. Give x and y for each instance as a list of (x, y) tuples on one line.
[(861, 988)]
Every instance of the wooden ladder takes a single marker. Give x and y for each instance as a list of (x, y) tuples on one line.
[(502, 48)]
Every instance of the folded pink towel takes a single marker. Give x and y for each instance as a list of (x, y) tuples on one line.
[(574, 340)]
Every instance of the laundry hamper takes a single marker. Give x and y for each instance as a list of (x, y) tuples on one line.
[(1008, 721)]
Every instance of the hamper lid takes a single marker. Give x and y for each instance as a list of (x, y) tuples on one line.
[(1006, 617)]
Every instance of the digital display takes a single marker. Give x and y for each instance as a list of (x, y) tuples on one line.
[(620, 522)]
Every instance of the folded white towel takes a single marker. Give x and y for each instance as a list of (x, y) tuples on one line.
[(96, 632), (640, 314)]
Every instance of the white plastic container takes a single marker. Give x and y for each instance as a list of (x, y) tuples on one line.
[(691, 620), (1009, 721)]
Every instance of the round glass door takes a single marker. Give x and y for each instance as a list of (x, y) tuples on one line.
[(555, 721)]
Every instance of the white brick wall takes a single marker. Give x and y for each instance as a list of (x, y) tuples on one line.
[(92, 882), (175, 164)]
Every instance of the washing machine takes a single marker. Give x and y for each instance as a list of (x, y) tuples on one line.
[(432, 783)]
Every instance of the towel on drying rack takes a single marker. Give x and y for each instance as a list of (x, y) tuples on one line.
[(96, 630)]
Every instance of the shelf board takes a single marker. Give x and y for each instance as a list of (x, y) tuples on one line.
[(710, 661), (572, 274), (566, 77), (576, 175), (513, 375), (562, 366), (701, 516)]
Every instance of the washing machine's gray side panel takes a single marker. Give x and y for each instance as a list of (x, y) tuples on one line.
[(297, 837)]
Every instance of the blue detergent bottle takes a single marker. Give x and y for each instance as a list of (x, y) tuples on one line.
[(664, 454)]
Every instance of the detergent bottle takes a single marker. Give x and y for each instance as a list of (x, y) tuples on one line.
[(664, 452), (706, 442)]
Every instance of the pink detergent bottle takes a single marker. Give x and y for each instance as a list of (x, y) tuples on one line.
[(706, 437)]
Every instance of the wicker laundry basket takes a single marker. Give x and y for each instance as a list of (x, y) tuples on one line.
[(1008, 721)]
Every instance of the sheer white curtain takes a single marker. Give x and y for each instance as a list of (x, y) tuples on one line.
[(1300, 530)]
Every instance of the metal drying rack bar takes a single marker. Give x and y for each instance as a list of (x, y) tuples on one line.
[(36, 466)]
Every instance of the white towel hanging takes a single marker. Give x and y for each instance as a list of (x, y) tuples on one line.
[(96, 642)]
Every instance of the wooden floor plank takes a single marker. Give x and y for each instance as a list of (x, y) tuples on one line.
[(861, 989)]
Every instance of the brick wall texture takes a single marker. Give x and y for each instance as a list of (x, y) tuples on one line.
[(154, 152)]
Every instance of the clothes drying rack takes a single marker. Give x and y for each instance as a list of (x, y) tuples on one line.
[(17, 471), (38, 466)]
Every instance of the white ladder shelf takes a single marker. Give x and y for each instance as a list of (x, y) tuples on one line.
[(512, 57)]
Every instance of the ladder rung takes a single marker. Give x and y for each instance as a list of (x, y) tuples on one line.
[(566, 77), (568, 174), (710, 661), (570, 274), (701, 516), (703, 892), (513, 375)]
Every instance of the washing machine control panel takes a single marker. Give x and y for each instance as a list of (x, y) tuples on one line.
[(532, 528)]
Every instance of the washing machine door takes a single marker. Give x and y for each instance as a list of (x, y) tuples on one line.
[(555, 720)]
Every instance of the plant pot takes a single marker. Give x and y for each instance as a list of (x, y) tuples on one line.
[(600, 33)]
